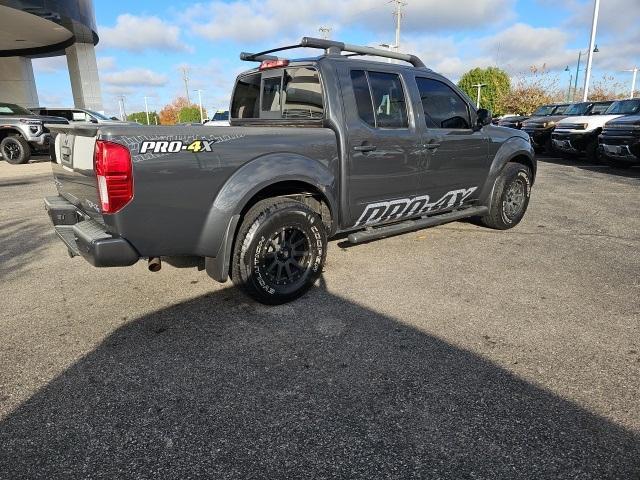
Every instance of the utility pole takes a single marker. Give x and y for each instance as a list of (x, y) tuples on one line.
[(594, 26), (185, 77), (146, 109), (200, 103), (325, 32), (123, 111), (398, 14), (479, 87), (575, 86), (633, 80)]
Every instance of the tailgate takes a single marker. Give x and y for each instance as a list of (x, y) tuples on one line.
[(72, 166)]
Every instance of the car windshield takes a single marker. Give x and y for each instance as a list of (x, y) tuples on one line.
[(220, 116), (624, 107), (98, 115), (11, 109), (544, 110), (578, 108), (561, 109), (599, 108)]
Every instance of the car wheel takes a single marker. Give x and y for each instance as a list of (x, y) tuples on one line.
[(279, 251), (510, 198), (15, 150)]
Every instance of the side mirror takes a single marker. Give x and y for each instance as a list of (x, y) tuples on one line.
[(483, 117)]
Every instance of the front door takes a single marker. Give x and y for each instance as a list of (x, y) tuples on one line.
[(383, 147), (458, 158)]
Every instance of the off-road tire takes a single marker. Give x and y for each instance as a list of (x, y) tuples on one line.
[(275, 232), (15, 149), (515, 178)]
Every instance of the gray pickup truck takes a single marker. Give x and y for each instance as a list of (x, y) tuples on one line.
[(318, 147), (23, 133)]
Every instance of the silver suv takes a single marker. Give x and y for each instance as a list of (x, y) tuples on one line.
[(22, 133)]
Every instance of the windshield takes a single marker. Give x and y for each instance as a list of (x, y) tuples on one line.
[(219, 116), (560, 109), (98, 115), (544, 110), (624, 107), (578, 108), (11, 109), (599, 108)]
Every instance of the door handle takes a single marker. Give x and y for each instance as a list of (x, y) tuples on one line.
[(365, 148)]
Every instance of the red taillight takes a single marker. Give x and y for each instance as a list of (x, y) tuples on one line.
[(267, 64), (112, 164)]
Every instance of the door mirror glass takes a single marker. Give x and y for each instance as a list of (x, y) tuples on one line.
[(483, 117)]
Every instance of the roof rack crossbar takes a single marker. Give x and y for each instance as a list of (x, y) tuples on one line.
[(333, 47)]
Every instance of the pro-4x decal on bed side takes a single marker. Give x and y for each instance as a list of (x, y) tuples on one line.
[(408, 207)]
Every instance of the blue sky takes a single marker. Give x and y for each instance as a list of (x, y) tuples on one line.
[(144, 44)]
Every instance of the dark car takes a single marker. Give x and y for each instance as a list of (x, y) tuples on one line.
[(515, 121), (317, 147), (619, 141)]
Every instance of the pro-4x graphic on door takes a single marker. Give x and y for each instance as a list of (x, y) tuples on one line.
[(406, 207)]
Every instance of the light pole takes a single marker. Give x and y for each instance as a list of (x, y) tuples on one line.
[(146, 109), (570, 82), (592, 41), (479, 86), (575, 85), (633, 80), (200, 103)]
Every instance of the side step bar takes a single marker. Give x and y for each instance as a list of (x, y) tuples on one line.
[(410, 225)]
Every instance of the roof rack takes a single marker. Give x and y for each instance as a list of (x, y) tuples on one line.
[(332, 47)]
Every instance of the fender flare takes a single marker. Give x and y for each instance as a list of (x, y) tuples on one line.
[(218, 232), (512, 148)]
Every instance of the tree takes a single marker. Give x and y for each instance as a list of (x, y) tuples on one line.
[(497, 84), (170, 114), (190, 114), (529, 92), (141, 117)]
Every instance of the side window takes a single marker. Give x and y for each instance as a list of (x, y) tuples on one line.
[(363, 96), (388, 100), (383, 105), (443, 107), (246, 97)]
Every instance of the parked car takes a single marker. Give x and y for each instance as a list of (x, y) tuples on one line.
[(23, 133), (219, 119), (79, 115), (515, 121), (619, 142), (578, 133), (540, 127), (317, 147)]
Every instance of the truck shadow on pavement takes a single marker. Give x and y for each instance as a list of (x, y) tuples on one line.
[(21, 243), (217, 387)]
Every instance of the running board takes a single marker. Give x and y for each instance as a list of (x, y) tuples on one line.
[(411, 225)]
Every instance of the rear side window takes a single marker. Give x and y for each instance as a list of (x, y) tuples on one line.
[(443, 107), (292, 93), (246, 97), (380, 101)]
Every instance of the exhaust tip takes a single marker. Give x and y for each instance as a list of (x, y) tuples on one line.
[(155, 264)]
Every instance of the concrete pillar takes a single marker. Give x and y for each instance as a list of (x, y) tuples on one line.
[(83, 72), (17, 83)]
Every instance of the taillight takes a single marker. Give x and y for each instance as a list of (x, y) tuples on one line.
[(112, 164)]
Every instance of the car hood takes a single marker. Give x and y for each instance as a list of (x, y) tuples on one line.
[(598, 119), (627, 120), (514, 118)]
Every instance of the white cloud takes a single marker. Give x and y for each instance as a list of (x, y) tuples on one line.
[(49, 64), (106, 63), (136, 77), (138, 33)]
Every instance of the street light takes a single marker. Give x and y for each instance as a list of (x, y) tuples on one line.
[(479, 86), (200, 103), (633, 79), (567, 69), (592, 41), (575, 86)]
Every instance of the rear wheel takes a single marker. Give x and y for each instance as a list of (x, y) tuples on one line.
[(15, 149), (279, 251), (510, 199)]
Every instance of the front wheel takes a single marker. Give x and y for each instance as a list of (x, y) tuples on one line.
[(510, 199), (15, 149), (279, 251)]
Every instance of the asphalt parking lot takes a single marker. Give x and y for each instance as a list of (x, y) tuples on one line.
[(454, 352)]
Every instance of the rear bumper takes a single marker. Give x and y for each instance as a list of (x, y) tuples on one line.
[(87, 237)]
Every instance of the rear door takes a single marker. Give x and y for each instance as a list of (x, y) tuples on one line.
[(457, 154), (383, 145)]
